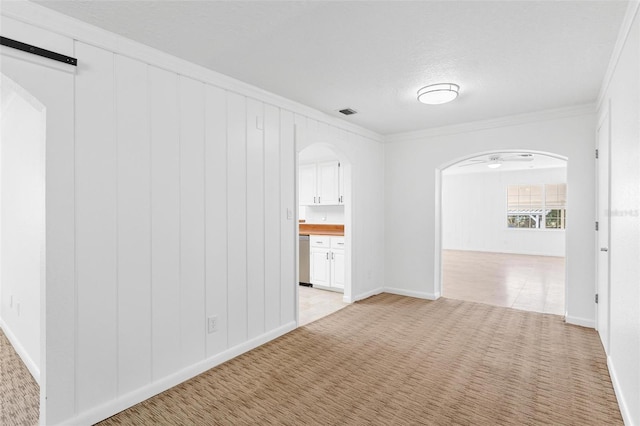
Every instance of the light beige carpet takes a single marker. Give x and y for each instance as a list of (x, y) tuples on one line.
[(19, 393), (394, 360)]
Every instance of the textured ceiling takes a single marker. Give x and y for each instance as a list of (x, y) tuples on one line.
[(509, 57)]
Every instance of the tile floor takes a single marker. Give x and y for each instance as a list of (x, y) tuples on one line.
[(530, 283), (315, 303)]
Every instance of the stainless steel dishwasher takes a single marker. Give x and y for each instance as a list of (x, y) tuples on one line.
[(303, 254)]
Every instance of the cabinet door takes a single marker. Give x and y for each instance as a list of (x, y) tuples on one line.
[(340, 183), (307, 185), (320, 266), (328, 183), (337, 269)]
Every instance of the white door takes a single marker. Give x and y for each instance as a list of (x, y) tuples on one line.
[(603, 232), (337, 269), (319, 267), (50, 84), (328, 186), (307, 185)]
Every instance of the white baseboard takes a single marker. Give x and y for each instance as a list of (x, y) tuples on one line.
[(624, 408), (22, 353), (123, 402), (584, 322), (412, 293), (367, 294)]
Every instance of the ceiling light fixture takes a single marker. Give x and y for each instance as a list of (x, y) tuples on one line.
[(494, 165), (440, 93)]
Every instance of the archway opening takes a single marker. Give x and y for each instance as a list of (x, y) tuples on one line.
[(502, 230), (324, 216), (22, 248)]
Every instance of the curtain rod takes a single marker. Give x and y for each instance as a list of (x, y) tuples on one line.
[(4, 41)]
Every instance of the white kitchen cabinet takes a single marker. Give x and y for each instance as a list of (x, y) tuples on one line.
[(327, 266), (307, 184), (320, 267), (328, 183), (319, 184), (340, 184), (337, 268)]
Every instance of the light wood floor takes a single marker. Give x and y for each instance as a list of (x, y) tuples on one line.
[(530, 283), (315, 304)]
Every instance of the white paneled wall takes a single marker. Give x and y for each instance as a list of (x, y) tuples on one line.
[(96, 228), (182, 190), (133, 141), (170, 194), (255, 218)]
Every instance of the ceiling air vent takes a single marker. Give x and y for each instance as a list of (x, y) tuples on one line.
[(348, 111)]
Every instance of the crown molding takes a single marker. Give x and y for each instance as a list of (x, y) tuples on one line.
[(511, 120), (623, 35), (56, 22)]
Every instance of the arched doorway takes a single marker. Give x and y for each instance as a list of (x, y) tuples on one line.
[(324, 217), (501, 222), (22, 246)]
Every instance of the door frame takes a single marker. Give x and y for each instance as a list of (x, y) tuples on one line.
[(604, 222), (302, 141)]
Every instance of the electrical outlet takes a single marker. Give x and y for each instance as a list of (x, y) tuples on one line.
[(212, 324)]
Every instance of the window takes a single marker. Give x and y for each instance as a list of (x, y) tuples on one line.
[(537, 206)]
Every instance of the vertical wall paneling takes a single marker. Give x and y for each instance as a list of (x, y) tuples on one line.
[(237, 219), (255, 218), (216, 215), (165, 221), (134, 225), (323, 133), (192, 230), (287, 232), (96, 345), (272, 217)]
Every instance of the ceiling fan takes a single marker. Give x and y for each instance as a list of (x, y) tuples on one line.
[(494, 161)]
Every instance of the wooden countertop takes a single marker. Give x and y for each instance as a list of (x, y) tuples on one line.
[(321, 229)]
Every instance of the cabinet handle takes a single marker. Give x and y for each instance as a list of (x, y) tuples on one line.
[(314, 200), (327, 255), (318, 200), (340, 244), (332, 257)]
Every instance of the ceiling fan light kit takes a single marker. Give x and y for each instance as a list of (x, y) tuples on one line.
[(436, 94), (495, 161)]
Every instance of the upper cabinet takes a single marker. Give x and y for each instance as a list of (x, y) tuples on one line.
[(320, 184), (307, 185)]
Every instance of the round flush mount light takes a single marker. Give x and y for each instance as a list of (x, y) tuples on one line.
[(440, 93)]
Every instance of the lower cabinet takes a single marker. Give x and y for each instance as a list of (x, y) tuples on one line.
[(326, 263)]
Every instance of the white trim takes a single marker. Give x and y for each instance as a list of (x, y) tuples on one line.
[(583, 322), (512, 120), (38, 60), (40, 16), (412, 293), (364, 295), (22, 353), (623, 35), (622, 403), (123, 402)]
